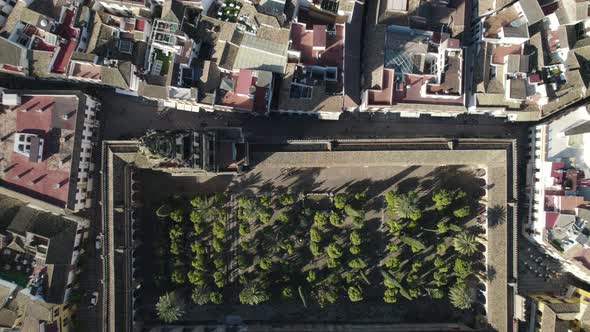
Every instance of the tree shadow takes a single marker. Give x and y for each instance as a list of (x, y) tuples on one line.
[(491, 272), (496, 215)]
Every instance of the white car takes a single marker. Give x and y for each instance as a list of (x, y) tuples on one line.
[(94, 299), (98, 243)]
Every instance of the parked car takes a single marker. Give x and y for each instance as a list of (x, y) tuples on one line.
[(94, 299), (98, 243)]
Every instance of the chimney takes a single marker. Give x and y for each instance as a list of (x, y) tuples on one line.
[(38, 179), (68, 115), (5, 137), (60, 184), (23, 174), (65, 159), (10, 167)]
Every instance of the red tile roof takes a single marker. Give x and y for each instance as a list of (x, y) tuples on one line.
[(534, 78), (384, 96), (454, 43), (243, 82), (40, 45), (550, 219), (68, 32), (139, 25), (64, 56), (566, 204), (556, 174), (499, 53), (319, 36), (41, 117), (303, 40), (409, 92), (88, 71)]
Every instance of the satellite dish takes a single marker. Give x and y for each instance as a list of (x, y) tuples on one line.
[(43, 22)]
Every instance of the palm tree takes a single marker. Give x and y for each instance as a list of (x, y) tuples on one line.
[(460, 296), (406, 206), (465, 244), (169, 308), (201, 295), (252, 295)]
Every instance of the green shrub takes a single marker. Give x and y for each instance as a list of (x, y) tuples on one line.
[(394, 227), (436, 293), (265, 215), (462, 268), (287, 199), (198, 228), (283, 217), (357, 264), (355, 294), (315, 235), (334, 251), (219, 263), (333, 263), (198, 263), (287, 293), (462, 212), (352, 212), (390, 295), (178, 277), (326, 295), (315, 249), (311, 276), (335, 219), (199, 202), (196, 278), (355, 250), (244, 229), (216, 298), (219, 279), (438, 262), (176, 215), (320, 219), (340, 201), (442, 198), (392, 262), (218, 230), (355, 238), (201, 295), (217, 245), (265, 200), (392, 247), (195, 217), (197, 248), (265, 263)]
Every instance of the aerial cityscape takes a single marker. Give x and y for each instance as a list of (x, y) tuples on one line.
[(294, 165)]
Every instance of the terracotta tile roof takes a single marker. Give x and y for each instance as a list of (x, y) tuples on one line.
[(67, 31), (46, 117), (243, 82), (319, 36), (550, 219)]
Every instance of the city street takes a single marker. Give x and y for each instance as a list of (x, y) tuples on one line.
[(126, 117)]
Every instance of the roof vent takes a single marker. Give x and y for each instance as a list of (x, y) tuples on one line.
[(11, 99)]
